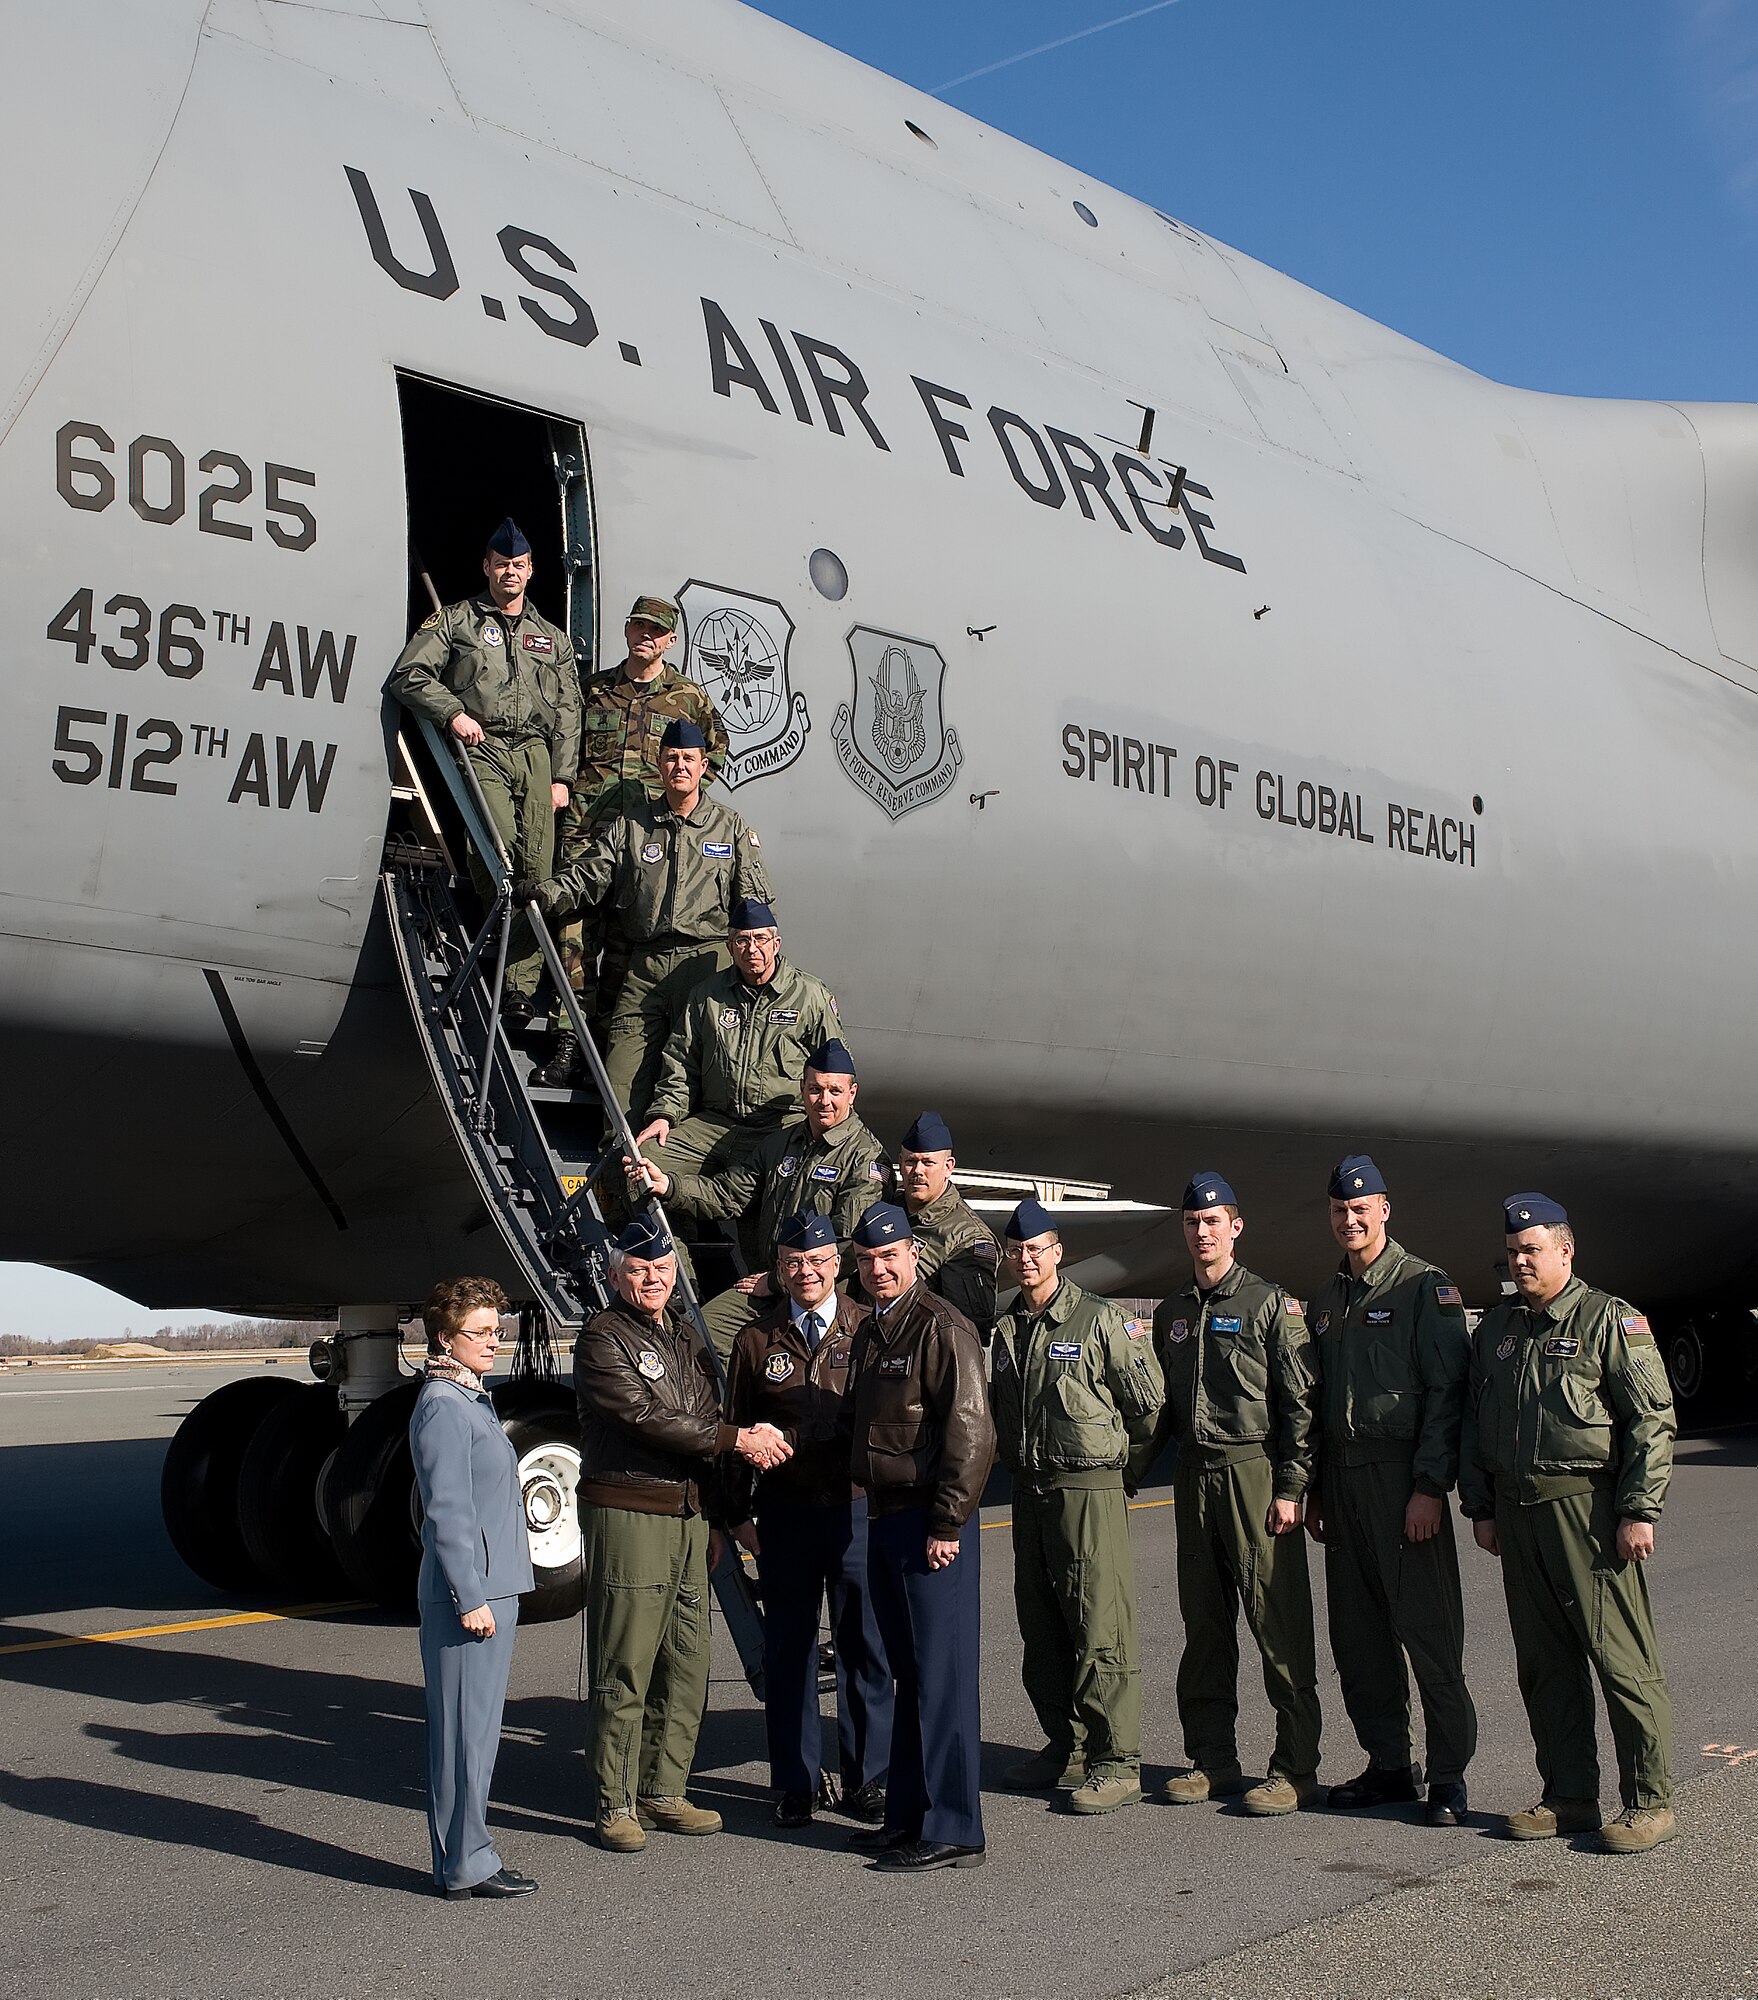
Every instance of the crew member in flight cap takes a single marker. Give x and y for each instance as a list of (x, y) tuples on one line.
[(651, 1441), (1239, 1396), (501, 678), (623, 713), (1075, 1387), (1393, 1354), (807, 1526), (922, 1445), (958, 1250), (1567, 1454)]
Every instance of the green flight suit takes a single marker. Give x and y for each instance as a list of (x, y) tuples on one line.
[(517, 677), (668, 883), (1075, 1390), (621, 722), (1239, 1395), (732, 1066), (959, 1255), (840, 1173), (1393, 1353), (1570, 1429)]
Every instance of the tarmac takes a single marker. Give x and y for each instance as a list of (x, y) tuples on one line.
[(200, 1795)]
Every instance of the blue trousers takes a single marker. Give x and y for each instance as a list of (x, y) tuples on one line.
[(931, 1622), (808, 1551), (466, 1691)]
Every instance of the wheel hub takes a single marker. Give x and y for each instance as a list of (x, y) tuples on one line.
[(549, 1480)]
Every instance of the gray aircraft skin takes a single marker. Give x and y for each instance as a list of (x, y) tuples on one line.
[(1392, 790)]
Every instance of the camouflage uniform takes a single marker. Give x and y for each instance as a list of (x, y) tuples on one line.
[(621, 722), (517, 677)]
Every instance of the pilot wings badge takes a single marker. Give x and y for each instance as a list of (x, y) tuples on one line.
[(893, 741), (735, 649)]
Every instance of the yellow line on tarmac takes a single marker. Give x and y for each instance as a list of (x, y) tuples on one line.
[(191, 1625), (1134, 1506)]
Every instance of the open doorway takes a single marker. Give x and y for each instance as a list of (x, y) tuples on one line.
[(469, 461)]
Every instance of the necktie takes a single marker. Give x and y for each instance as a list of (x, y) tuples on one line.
[(814, 1332)]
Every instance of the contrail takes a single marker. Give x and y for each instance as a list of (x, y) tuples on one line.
[(1044, 48)]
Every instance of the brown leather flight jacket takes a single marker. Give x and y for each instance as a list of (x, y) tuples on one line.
[(773, 1379), (650, 1425), (917, 1415)]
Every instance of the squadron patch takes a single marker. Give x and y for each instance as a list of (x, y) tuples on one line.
[(1505, 1346), (786, 1168), (648, 1363), (1324, 1321), (729, 1017), (1178, 1330), (1565, 1344), (1137, 1329), (652, 851), (430, 621), (1065, 1350), (1379, 1316), (717, 850), (1447, 1295), (1637, 1329), (491, 636), (538, 642), (779, 1366)]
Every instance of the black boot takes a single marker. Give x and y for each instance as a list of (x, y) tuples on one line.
[(563, 1069)]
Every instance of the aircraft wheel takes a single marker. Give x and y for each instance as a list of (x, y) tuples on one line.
[(277, 1493), (368, 1499), (1692, 1363), (545, 1436), (198, 1488)]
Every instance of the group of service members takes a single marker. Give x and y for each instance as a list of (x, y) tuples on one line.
[(864, 1415)]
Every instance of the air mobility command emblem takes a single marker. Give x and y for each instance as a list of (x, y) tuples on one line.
[(779, 1366), (893, 740), (736, 648), (1179, 1330), (648, 1363)]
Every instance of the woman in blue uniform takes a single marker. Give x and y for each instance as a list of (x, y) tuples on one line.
[(475, 1561)]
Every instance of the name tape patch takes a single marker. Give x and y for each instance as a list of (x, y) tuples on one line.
[(1563, 1343), (1230, 1324), (717, 850), (895, 1364), (1379, 1316), (825, 1172), (538, 642), (1065, 1350)]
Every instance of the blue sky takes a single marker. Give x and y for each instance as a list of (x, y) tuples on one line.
[(1559, 193)]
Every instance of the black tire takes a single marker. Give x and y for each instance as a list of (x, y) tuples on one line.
[(277, 1493), (1690, 1363), (543, 1428), (368, 1500), (198, 1488)]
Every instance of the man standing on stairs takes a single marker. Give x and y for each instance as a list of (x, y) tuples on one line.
[(667, 872), (500, 678), (1239, 1396), (623, 713)]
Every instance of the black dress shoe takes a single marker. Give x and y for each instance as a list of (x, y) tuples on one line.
[(867, 1803), (1446, 1805), (1375, 1788), (793, 1809), (920, 1855), (881, 1839), (504, 1882)]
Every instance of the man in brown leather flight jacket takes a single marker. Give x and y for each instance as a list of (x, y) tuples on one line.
[(922, 1444), (650, 1434)]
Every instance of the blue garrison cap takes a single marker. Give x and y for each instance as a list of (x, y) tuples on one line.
[(1208, 1190), (806, 1230), (881, 1224), (683, 735), (833, 1059), (748, 914), (929, 1134), (1030, 1219), (508, 540), (1356, 1175), (1527, 1211), (645, 1237)]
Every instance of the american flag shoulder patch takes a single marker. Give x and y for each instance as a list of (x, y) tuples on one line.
[(1137, 1329), (1290, 1304), (1447, 1295), (1636, 1327)]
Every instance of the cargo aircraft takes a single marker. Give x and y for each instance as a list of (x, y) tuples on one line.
[(1187, 723)]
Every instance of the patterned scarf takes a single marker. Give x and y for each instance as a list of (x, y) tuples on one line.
[(449, 1370)]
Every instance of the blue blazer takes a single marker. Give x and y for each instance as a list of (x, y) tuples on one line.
[(473, 1542)]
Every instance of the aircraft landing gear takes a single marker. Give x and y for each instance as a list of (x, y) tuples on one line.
[(277, 1494), (198, 1488)]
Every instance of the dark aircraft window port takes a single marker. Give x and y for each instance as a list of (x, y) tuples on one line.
[(829, 575), (468, 462), (927, 138), (1086, 215), (1477, 804)]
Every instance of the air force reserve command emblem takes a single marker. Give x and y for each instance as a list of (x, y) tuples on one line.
[(894, 741), (736, 647)]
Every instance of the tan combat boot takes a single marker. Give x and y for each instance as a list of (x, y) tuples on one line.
[(1049, 1770), (1278, 1795), (1638, 1828), (1551, 1817), (1104, 1791), (676, 1816), (1196, 1786), (619, 1832)]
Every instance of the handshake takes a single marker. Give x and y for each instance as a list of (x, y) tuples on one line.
[(764, 1446)]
